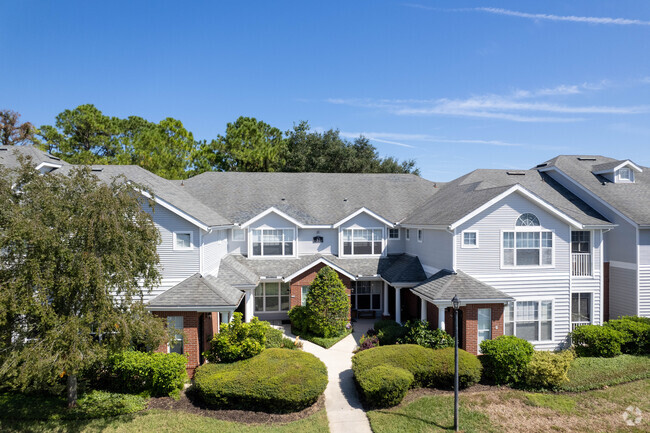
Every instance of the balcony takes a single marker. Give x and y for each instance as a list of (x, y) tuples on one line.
[(581, 264)]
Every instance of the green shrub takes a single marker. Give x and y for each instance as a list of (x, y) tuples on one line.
[(385, 323), (637, 334), (367, 342), (418, 332), (390, 334), (299, 317), (384, 386), (276, 380), (238, 340), (598, 341), (156, 373), (505, 358), (275, 339), (430, 368), (327, 304), (548, 370)]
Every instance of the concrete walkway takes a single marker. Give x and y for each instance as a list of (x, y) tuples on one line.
[(344, 411)]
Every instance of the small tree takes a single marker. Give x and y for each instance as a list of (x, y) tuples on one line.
[(328, 306)]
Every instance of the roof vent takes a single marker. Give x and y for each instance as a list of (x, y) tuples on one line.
[(56, 158), (586, 158), (96, 169), (516, 173), (283, 199), (4, 149), (345, 199), (541, 165)]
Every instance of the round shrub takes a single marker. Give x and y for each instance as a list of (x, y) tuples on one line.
[(598, 341), (505, 358), (548, 370), (418, 332), (276, 380), (469, 368), (299, 318), (637, 334), (156, 373), (327, 304), (237, 340), (384, 386), (390, 334)]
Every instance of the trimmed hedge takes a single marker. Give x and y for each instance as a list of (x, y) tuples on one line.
[(384, 386), (418, 332), (506, 358), (597, 341), (276, 380), (637, 334), (158, 374), (389, 331), (548, 370), (430, 368)]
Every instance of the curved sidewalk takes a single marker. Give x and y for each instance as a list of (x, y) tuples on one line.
[(345, 413)]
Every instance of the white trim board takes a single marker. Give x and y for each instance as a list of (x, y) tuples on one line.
[(366, 211), (317, 262)]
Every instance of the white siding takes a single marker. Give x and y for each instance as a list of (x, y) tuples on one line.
[(644, 290), (215, 246), (306, 245), (272, 221), (396, 246), (435, 250), (362, 221), (238, 247)]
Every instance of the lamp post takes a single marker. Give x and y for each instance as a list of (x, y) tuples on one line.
[(456, 303)]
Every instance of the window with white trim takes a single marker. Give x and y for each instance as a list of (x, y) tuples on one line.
[(182, 240), (303, 295), (581, 307), (470, 239), (176, 324), (408, 234), (273, 242), (530, 320), (527, 245), (393, 233), (362, 241), (238, 235), (625, 174), (419, 235), (272, 297), (366, 295)]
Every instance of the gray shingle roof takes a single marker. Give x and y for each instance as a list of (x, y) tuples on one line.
[(607, 166), (199, 292), (311, 198), (401, 268), (631, 199), (461, 196), (444, 285), (9, 156)]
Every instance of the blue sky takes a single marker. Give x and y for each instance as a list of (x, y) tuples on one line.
[(455, 85)]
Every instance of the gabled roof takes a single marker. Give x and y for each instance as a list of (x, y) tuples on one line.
[(401, 268), (460, 197), (612, 166), (311, 198), (444, 285), (632, 200), (198, 293)]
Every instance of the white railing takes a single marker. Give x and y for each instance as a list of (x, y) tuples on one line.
[(574, 325), (580, 264)]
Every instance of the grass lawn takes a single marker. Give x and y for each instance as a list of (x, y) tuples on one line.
[(594, 373), (161, 421), (521, 411), (321, 341)]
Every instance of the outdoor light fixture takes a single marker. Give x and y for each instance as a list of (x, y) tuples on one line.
[(456, 303)]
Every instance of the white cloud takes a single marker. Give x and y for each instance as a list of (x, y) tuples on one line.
[(399, 139), (570, 18)]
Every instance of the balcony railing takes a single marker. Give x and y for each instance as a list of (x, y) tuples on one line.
[(574, 325), (580, 264)]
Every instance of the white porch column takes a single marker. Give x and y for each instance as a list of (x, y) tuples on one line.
[(386, 313), (423, 309), (441, 317), (398, 305), (249, 302), (224, 316)]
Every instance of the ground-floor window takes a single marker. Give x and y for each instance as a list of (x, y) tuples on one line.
[(530, 320), (484, 324), (176, 343), (366, 295), (581, 307), (303, 295), (272, 297)]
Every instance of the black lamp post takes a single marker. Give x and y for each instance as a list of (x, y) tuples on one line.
[(456, 303)]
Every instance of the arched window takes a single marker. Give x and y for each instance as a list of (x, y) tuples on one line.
[(527, 220)]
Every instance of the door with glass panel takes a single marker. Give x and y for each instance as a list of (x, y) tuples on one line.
[(484, 325)]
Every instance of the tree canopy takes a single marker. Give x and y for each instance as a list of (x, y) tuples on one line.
[(12, 132), (76, 253)]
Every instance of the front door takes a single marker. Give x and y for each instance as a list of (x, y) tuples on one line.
[(484, 325)]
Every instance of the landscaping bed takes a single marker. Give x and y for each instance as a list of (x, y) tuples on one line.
[(325, 342)]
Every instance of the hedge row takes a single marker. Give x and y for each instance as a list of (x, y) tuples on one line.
[(158, 374), (409, 366), (276, 380), (629, 335)]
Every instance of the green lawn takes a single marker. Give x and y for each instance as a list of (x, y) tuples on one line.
[(160, 421), (594, 373), (321, 341)]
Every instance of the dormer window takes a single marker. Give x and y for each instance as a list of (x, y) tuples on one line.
[(363, 242), (273, 242), (624, 175)]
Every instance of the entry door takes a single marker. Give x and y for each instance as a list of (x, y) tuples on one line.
[(484, 325)]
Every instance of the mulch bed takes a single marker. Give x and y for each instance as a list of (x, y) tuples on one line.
[(191, 403)]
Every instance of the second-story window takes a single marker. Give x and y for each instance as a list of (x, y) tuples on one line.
[(528, 244), (273, 242), (393, 233), (362, 241), (182, 240)]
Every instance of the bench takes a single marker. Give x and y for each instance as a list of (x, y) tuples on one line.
[(367, 314)]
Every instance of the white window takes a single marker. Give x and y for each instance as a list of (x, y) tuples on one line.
[(303, 295), (182, 240), (581, 307), (362, 241), (530, 320), (366, 295), (176, 343), (393, 233), (419, 235), (484, 324), (272, 297), (273, 242), (528, 245), (408, 234), (238, 235), (470, 239), (625, 174)]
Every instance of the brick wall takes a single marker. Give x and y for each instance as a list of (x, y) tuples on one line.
[(469, 324), (306, 278), (191, 342)]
